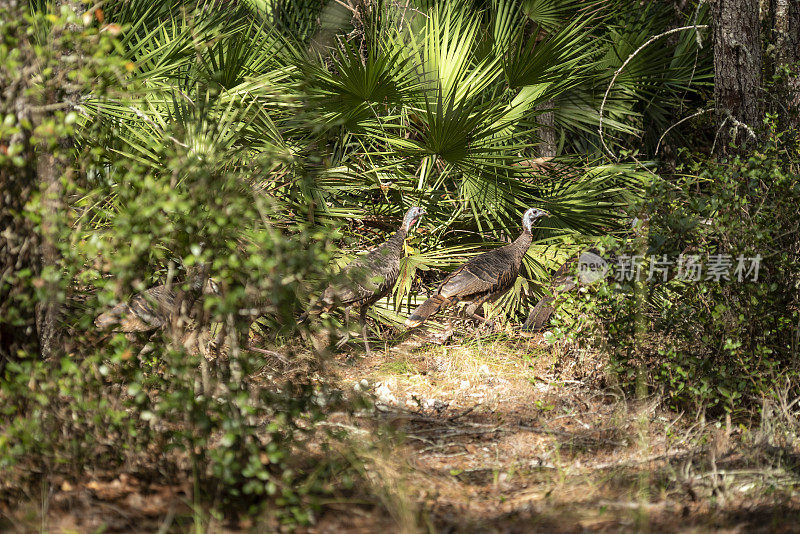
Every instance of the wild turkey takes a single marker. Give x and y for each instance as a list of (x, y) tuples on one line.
[(483, 278), (563, 281), (369, 278), (155, 308)]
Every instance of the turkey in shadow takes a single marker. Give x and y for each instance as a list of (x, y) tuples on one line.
[(369, 278), (482, 279), (156, 308), (562, 281)]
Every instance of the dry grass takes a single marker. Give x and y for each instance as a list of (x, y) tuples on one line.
[(495, 434), (508, 435)]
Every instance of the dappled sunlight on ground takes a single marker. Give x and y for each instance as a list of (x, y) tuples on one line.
[(483, 434), (514, 436)]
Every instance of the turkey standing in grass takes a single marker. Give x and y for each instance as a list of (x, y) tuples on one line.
[(483, 278), (370, 278)]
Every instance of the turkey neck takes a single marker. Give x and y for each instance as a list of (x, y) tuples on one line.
[(396, 241), (521, 244)]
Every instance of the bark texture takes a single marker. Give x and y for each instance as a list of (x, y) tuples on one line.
[(737, 70), (785, 15), (546, 132), (19, 243), (50, 169)]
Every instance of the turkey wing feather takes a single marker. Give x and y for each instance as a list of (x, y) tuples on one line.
[(370, 276), (482, 274)]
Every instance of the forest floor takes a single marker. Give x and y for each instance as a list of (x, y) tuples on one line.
[(500, 434), (513, 435)]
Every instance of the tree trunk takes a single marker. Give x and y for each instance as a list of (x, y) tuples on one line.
[(31, 195), (546, 133), (737, 70), (50, 170), (547, 148), (786, 25), (785, 21)]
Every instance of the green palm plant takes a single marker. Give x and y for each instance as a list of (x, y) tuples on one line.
[(460, 136), (381, 106)]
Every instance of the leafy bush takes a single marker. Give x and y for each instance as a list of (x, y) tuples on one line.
[(719, 344), (136, 212), (187, 134)]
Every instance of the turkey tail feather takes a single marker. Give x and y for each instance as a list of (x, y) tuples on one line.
[(539, 315), (425, 310)]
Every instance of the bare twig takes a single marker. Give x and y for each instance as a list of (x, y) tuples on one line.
[(462, 414), (716, 135), (693, 115), (619, 70), (271, 353)]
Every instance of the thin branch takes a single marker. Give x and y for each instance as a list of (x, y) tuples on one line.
[(716, 135), (625, 64), (51, 107), (693, 115), (694, 23)]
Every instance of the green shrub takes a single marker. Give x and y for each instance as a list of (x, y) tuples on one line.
[(133, 214), (718, 344)]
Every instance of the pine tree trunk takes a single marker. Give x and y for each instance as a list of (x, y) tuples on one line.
[(785, 20), (737, 70), (546, 133), (50, 170), (30, 304), (51, 167)]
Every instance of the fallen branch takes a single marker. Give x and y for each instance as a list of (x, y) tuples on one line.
[(462, 414)]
